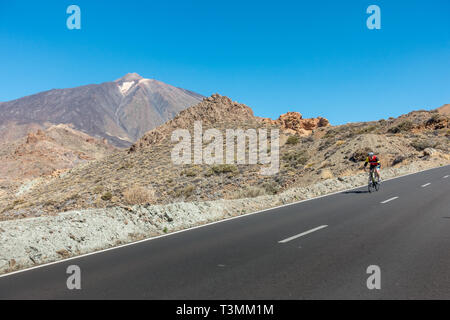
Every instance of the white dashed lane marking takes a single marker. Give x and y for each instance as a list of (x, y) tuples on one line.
[(386, 201), (302, 234), (426, 184)]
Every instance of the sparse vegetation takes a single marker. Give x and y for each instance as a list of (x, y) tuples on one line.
[(326, 143), (98, 189), (295, 158), (360, 155), (271, 187), (191, 172), (435, 118), (107, 196), (330, 134), (405, 126), (139, 195), (248, 192), (365, 130), (292, 140), (398, 159), (209, 172), (126, 165), (421, 145), (307, 139), (13, 205), (186, 192), (224, 168)]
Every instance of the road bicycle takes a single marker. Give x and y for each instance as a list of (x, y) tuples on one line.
[(374, 185)]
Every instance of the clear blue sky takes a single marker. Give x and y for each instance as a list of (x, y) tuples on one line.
[(315, 57)]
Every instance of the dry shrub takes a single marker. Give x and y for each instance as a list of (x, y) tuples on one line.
[(107, 196), (224, 168), (248, 192), (293, 140), (360, 154), (295, 159), (398, 159), (421, 145), (139, 195), (405, 126)]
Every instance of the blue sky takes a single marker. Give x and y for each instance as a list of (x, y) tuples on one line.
[(314, 57)]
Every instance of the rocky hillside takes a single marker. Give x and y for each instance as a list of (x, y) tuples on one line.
[(120, 111), (221, 112), (45, 153), (311, 150)]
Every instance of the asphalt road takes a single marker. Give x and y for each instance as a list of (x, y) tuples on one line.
[(318, 249)]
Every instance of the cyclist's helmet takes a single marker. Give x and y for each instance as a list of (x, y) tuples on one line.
[(370, 154)]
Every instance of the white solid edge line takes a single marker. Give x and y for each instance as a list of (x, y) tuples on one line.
[(204, 225), (425, 185), (302, 234), (386, 201)]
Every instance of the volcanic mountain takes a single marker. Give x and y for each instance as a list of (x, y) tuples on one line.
[(120, 111)]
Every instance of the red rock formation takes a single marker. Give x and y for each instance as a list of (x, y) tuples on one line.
[(35, 137), (293, 122)]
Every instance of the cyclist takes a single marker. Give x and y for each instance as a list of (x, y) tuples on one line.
[(374, 164)]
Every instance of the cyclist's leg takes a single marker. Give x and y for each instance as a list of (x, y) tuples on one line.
[(377, 169)]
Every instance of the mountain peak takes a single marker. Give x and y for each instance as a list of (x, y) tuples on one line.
[(130, 77)]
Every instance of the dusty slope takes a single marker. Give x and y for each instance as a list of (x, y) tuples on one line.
[(44, 153), (120, 111), (146, 173)]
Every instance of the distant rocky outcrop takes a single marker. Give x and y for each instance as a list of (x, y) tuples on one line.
[(294, 123), (45, 152)]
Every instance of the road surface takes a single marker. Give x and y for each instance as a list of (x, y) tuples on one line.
[(317, 249)]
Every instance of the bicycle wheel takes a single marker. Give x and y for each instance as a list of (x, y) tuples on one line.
[(371, 182), (377, 186)]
